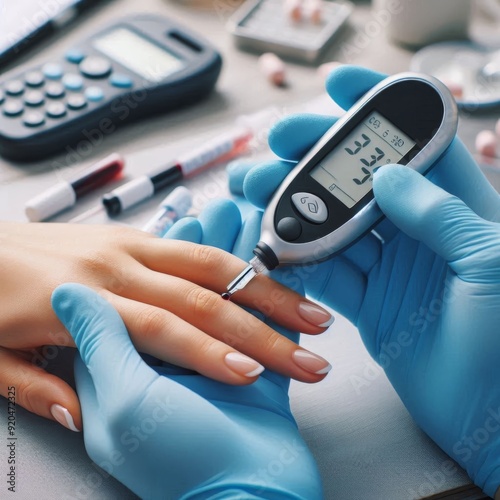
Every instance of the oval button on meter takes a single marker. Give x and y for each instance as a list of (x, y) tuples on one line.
[(310, 206)]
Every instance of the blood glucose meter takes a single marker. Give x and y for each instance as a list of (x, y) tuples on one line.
[(326, 203)]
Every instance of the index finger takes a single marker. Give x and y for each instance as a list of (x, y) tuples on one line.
[(213, 269)]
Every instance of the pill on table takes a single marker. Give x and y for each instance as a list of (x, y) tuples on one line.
[(273, 68), (293, 9), (315, 10), (486, 143)]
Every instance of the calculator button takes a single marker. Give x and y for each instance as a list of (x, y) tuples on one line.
[(95, 67), (94, 94), (312, 207), (34, 79), (34, 98), (289, 228), (53, 71), (121, 81), (75, 56), (72, 81), (33, 119), (2, 96), (76, 101), (54, 90), (14, 87), (56, 110), (13, 108)]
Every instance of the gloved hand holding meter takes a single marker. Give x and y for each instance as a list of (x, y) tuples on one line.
[(429, 280)]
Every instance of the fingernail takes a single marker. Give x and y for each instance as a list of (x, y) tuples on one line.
[(311, 362), (243, 365), (315, 314), (63, 416)]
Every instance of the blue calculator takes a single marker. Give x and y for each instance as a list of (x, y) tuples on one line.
[(136, 67)]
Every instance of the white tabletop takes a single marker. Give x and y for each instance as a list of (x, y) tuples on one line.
[(365, 443)]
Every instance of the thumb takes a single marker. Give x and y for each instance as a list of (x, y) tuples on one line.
[(100, 335), (429, 214), (29, 386)]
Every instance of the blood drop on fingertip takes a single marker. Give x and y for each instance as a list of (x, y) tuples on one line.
[(273, 68), (486, 143)]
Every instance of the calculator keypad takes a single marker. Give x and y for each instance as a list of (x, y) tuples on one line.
[(34, 79), (13, 108), (33, 119), (14, 87), (95, 67), (58, 92), (34, 98)]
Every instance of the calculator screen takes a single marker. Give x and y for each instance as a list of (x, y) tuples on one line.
[(138, 54)]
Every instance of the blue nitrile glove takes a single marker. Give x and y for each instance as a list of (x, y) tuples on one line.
[(170, 435), (427, 300)]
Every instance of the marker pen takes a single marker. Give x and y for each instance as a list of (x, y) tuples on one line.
[(65, 194), (144, 187), (170, 210)]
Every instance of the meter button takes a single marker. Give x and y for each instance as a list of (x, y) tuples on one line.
[(34, 98), (121, 81), (34, 119), (75, 56), (13, 108), (52, 71), (95, 67), (56, 110), (76, 101), (94, 94), (34, 79), (312, 207), (289, 228), (72, 82), (14, 87)]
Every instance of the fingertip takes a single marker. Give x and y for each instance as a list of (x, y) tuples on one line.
[(67, 297), (263, 180), (237, 170), (186, 229), (63, 416), (249, 236), (391, 183), (221, 223), (293, 136), (348, 83)]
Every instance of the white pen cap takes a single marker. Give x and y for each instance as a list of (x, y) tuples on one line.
[(180, 200), (50, 202)]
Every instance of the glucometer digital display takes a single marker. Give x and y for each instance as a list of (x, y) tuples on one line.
[(326, 203), (347, 171)]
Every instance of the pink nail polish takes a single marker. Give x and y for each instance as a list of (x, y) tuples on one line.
[(243, 365), (315, 314), (311, 362), (63, 416)]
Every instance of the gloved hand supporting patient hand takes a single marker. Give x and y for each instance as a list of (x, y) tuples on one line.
[(179, 436), (426, 300), (171, 434)]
